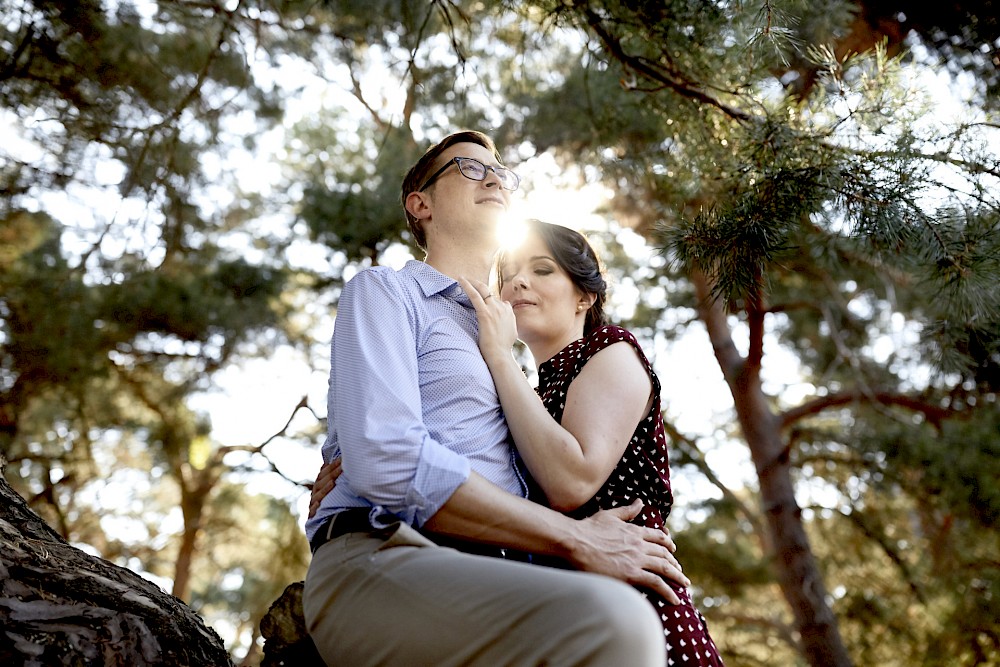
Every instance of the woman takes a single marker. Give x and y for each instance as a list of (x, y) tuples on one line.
[(596, 438)]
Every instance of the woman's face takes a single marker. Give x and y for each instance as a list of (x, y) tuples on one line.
[(546, 303)]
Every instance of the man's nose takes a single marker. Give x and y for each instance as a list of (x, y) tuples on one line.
[(491, 179)]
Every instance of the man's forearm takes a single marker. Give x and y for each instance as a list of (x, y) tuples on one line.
[(479, 511), (604, 543)]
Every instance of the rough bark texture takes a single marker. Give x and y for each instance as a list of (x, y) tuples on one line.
[(61, 606)]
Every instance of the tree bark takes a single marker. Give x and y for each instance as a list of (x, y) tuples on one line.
[(62, 606), (796, 568)]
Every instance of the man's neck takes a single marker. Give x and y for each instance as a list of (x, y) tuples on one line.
[(455, 265)]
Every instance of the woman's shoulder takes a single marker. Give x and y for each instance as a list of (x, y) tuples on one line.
[(609, 334)]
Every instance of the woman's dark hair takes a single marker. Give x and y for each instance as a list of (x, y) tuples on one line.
[(574, 255), (428, 162)]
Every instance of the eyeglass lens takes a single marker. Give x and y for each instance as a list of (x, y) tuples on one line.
[(476, 170)]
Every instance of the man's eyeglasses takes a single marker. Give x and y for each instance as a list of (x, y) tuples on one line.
[(475, 170)]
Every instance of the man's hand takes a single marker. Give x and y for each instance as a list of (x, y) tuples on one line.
[(641, 556), (325, 481)]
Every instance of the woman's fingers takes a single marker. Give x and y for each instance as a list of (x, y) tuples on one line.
[(477, 291)]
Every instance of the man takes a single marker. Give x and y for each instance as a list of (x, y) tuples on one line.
[(427, 459)]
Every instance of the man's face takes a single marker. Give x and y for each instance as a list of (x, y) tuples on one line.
[(459, 205)]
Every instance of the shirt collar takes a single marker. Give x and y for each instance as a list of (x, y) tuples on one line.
[(433, 282)]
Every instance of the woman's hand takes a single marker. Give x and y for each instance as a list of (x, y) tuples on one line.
[(497, 326), (325, 481)]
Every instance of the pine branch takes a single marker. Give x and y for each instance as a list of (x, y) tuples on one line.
[(943, 158)]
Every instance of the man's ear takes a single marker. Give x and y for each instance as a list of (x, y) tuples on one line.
[(418, 205)]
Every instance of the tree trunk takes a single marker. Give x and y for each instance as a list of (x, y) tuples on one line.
[(196, 485), (61, 606), (796, 568), (192, 510)]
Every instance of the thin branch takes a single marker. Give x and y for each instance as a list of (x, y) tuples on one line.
[(785, 631), (756, 312), (697, 458), (934, 413), (943, 158), (455, 44), (258, 450), (128, 184), (884, 544), (302, 404), (656, 72), (789, 306), (360, 97)]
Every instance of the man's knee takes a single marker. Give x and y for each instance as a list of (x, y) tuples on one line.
[(624, 626)]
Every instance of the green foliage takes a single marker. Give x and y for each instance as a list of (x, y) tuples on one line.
[(104, 340), (817, 204), (118, 79), (194, 301), (739, 137), (352, 203), (45, 344), (255, 548), (953, 467)]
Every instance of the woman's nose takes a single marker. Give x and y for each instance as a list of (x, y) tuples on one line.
[(513, 283)]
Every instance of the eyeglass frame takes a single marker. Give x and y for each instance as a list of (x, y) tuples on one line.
[(486, 170)]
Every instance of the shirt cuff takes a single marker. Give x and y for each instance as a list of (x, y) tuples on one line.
[(439, 473)]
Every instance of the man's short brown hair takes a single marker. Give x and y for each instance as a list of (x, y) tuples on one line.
[(428, 162)]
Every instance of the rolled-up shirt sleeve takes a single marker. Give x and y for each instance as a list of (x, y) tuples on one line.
[(390, 458)]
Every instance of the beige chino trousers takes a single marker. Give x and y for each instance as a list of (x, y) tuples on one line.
[(397, 599)]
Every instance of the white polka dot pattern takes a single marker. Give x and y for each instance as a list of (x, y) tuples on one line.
[(642, 473)]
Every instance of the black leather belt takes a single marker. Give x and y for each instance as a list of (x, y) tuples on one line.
[(355, 520)]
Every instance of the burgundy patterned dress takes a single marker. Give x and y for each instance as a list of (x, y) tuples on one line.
[(642, 473)]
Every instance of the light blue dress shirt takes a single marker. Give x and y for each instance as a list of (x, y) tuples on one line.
[(412, 407)]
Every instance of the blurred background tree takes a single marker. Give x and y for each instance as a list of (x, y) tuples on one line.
[(809, 205), (121, 293)]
